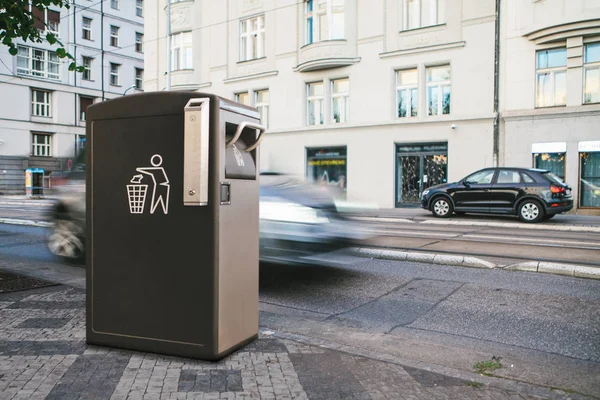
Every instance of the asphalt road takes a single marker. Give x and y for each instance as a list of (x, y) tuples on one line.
[(546, 328)]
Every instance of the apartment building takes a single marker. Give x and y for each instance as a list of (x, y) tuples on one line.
[(550, 93), (43, 104), (376, 99)]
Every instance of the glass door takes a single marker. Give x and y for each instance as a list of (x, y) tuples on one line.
[(409, 173)]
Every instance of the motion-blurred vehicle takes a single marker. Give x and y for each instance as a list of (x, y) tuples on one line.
[(299, 222), (531, 194)]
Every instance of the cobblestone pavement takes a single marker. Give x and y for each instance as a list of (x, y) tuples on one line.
[(43, 355)]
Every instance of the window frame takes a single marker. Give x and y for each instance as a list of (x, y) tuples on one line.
[(31, 61), (238, 97), (179, 46), (82, 112), (563, 175), (114, 4), (552, 71), (255, 36), (85, 29), (139, 42), (440, 89), (492, 180), (334, 96), (593, 65), (439, 20), (87, 68), (262, 106), (114, 74), (312, 24), (139, 8), (139, 77), (315, 99), (45, 106), (409, 88), (114, 35), (37, 146)]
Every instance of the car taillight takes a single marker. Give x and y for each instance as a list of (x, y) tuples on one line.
[(557, 189)]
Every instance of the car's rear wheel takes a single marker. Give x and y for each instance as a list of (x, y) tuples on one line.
[(531, 211), (441, 207), (66, 240)]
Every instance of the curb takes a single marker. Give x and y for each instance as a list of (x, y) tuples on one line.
[(25, 222), (578, 271)]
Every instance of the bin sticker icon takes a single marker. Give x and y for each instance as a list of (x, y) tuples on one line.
[(137, 195)]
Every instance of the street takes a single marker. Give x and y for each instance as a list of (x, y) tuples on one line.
[(545, 328)]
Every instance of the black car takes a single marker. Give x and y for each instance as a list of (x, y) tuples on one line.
[(531, 194)]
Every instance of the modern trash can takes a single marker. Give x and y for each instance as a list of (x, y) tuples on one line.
[(172, 224), (34, 182)]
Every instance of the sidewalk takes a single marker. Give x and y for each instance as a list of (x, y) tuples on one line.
[(43, 355)]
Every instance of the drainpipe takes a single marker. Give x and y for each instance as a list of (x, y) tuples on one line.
[(497, 87), (168, 44), (102, 46)]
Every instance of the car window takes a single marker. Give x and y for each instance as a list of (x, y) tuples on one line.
[(527, 178), (481, 177), (508, 177), (552, 178)]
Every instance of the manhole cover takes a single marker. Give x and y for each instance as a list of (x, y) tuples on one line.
[(13, 282)]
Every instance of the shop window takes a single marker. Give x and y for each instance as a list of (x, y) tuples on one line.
[(407, 93), (327, 167), (589, 174), (554, 162), (340, 100), (592, 73), (324, 20), (252, 38), (551, 78)]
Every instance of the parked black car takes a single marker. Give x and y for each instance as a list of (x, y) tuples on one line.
[(530, 194)]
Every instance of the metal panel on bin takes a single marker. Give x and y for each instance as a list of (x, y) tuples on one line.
[(162, 276)]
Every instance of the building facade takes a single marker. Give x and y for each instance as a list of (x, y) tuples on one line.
[(377, 99), (43, 104), (550, 91)]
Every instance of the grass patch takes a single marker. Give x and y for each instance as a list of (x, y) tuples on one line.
[(485, 367), (475, 385)]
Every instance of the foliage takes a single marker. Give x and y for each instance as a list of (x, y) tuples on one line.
[(485, 367), (18, 20)]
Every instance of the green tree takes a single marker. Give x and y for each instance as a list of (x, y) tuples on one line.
[(21, 19)]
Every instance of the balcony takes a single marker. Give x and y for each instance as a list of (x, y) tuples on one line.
[(325, 55)]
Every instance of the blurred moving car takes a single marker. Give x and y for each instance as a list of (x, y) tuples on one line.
[(298, 221), (531, 194)]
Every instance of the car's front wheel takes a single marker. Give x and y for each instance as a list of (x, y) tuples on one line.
[(531, 211), (66, 240), (441, 207)]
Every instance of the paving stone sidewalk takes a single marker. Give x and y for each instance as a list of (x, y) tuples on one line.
[(43, 355)]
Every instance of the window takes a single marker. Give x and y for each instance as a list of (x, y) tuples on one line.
[(340, 100), (327, 166), (84, 103), (592, 73), (438, 90), (527, 178), (139, 42), (315, 96), (508, 177), (422, 13), (181, 51), (139, 8), (551, 78), (589, 179), (46, 21), (87, 68), (37, 62), (86, 28), (114, 36), (242, 98), (324, 20), (139, 78), (114, 4), (41, 144), (261, 101), (407, 93), (40, 104), (252, 39), (114, 74), (480, 178), (554, 162)]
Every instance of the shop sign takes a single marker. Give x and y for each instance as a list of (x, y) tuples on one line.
[(589, 147), (320, 163), (550, 147)]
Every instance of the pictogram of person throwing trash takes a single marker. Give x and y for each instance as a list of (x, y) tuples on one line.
[(160, 191)]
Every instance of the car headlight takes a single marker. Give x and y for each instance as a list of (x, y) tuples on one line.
[(290, 212)]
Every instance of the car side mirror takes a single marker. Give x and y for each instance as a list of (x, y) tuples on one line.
[(466, 183)]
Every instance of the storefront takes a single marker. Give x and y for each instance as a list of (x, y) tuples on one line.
[(419, 166), (550, 156), (327, 166), (589, 174)]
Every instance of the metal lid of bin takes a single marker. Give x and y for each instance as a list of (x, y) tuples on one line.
[(160, 103)]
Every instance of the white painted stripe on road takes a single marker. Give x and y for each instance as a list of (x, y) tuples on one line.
[(416, 233), (384, 219), (520, 239), (548, 227), (22, 203), (25, 222)]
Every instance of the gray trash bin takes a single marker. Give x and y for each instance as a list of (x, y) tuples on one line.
[(172, 224)]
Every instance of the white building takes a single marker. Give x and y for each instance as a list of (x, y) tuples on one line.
[(379, 98), (551, 91), (42, 103)]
